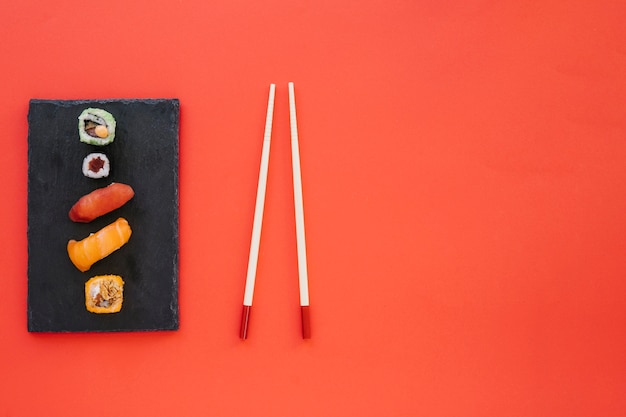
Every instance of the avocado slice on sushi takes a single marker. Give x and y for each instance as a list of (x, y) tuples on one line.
[(96, 127)]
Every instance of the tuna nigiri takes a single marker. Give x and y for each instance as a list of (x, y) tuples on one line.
[(100, 202), (86, 252)]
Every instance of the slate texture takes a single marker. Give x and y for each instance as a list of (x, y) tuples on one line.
[(143, 155)]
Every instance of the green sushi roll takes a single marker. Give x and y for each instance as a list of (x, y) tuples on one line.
[(96, 127)]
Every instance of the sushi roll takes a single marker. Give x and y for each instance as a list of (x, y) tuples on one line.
[(96, 127), (104, 294), (96, 165)]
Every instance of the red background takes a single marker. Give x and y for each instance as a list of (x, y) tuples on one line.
[(463, 175)]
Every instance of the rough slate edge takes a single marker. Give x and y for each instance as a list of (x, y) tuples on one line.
[(172, 324)]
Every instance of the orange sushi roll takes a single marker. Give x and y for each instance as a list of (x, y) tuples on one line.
[(104, 294), (101, 201), (86, 252)]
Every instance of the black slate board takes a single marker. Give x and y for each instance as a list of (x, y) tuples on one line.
[(144, 155)]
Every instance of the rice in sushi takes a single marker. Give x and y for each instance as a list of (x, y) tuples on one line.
[(96, 165)]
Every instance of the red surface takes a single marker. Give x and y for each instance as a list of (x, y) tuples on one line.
[(463, 169)]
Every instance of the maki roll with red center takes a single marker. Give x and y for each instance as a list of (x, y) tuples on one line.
[(96, 127), (96, 165)]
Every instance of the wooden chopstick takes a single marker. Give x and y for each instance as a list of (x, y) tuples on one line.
[(299, 209), (258, 217)]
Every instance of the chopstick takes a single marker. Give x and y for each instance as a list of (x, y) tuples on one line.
[(303, 280), (258, 217), (299, 210)]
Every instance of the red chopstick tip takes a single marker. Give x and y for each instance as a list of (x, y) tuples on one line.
[(245, 320), (306, 322)]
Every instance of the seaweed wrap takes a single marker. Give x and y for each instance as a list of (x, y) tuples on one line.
[(96, 127)]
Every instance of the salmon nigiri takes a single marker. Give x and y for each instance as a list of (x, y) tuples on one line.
[(101, 244), (101, 201)]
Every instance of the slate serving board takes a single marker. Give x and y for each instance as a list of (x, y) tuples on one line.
[(143, 155)]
